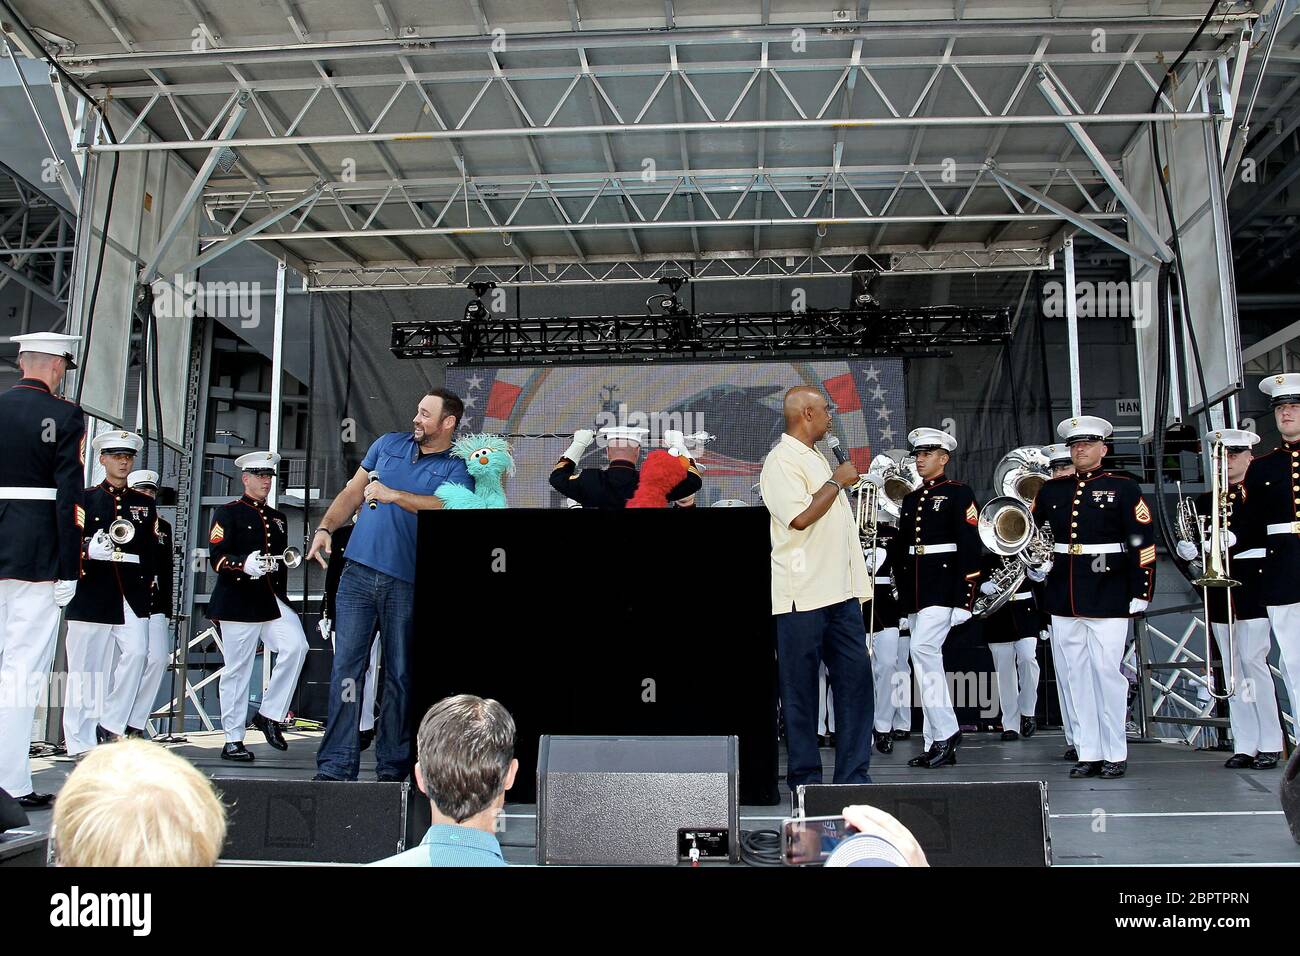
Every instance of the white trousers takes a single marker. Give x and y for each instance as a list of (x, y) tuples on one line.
[(29, 631), (370, 688), (1285, 620), (888, 680), (282, 637), (929, 629), (1064, 695), (155, 666), (1094, 650), (902, 719), (1016, 663), (1252, 709), (98, 691)]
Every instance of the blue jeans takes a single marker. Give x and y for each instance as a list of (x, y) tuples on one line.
[(804, 639), (368, 600)]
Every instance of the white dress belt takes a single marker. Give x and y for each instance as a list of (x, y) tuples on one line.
[(121, 557), (1250, 555), (1022, 596), (883, 579), (1088, 548), (1287, 527), (29, 494), (932, 549)]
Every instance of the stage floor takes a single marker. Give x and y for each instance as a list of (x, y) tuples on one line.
[(1176, 807)]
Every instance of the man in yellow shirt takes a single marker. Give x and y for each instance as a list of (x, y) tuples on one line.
[(819, 581)]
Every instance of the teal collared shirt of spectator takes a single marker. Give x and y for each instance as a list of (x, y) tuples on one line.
[(449, 845), (384, 538)]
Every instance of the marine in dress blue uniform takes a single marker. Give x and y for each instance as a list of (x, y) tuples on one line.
[(608, 489), (250, 603), (109, 616), (41, 478), (1103, 571), (160, 612), (937, 564)]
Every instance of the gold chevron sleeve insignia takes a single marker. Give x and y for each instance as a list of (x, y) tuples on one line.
[(217, 535), (1142, 512), (80, 515), (1147, 555), (972, 516)]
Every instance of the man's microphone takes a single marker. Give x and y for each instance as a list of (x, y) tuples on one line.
[(834, 444), (374, 476)]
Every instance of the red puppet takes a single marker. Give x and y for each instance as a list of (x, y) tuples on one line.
[(661, 473)]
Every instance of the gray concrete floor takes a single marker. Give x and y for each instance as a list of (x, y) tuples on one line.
[(1175, 807)]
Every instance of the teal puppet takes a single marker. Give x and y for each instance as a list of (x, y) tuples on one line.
[(488, 459)]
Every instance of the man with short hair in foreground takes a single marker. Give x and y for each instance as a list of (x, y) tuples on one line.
[(466, 763)]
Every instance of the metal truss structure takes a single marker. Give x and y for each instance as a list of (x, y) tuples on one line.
[(35, 243), (683, 337), (394, 145)]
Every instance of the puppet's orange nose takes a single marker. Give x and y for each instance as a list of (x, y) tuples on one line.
[(483, 459)]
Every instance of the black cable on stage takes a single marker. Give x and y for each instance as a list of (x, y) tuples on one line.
[(760, 847), (308, 524), (1164, 360), (157, 390), (144, 386)]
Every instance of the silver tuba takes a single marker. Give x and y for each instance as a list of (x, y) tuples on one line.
[(896, 480), (1007, 528), (1021, 473)]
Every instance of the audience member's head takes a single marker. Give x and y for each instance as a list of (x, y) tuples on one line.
[(466, 760), (133, 803)]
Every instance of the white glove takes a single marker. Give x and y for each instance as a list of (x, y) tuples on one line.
[(902, 624), (582, 440), (1039, 575), (1137, 606), (254, 566), (675, 442), (63, 592), (1231, 538), (324, 625), (875, 559), (959, 616), (988, 589), (99, 548), (1186, 550), (1044, 635)]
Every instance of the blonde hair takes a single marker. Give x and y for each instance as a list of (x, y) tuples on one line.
[(133, 803)]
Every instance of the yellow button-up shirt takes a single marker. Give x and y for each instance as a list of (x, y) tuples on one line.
[(823, 564)]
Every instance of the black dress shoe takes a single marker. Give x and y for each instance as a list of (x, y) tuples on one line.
[(103, 736), (237, 751), (901, 734), (1085, 768), (135, 733), (1266, 760), (1010, 735), (1113, 770), (1239, 761), (1070, 754), (323, 777), (35, 801), (945, 753), (367, 738), (922, 759), (272, 731), (1028, 726), (884, 743)]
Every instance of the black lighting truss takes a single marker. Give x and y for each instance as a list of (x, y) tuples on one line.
[(625, 339)]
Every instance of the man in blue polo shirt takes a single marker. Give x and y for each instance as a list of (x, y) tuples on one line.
[(397, 478)]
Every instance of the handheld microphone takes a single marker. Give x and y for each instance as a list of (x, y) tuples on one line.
[(834, 444), (373, 476)]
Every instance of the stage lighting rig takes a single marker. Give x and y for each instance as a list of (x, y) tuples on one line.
[(475, 310)]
